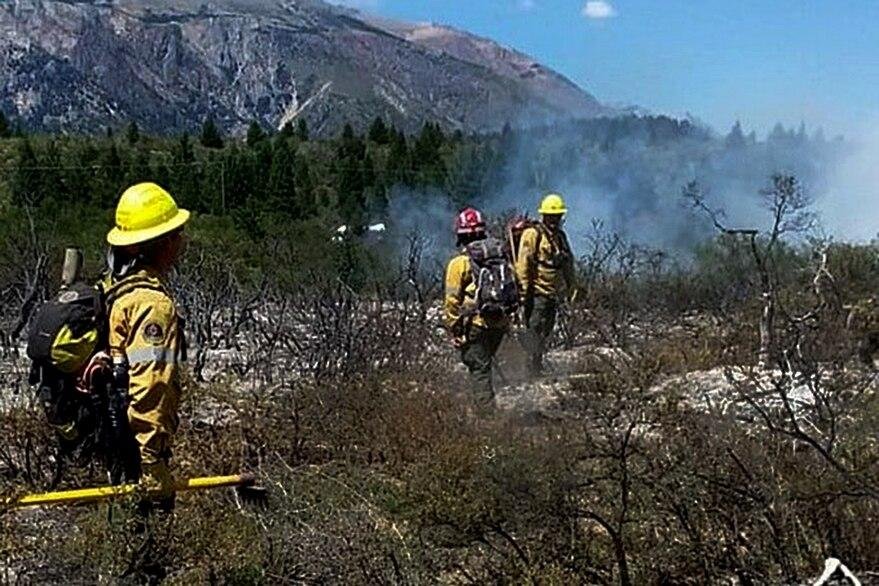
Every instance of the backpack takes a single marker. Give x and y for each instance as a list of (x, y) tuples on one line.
[(68, 329), (496, 292), (67, 344), (517, 226), (67, 333)]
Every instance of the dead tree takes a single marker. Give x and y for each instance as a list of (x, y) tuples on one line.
[(218, 307), (24, 269), (423, 284), (790, 214)]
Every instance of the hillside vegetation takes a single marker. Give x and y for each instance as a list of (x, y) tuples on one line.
[(678, 441)]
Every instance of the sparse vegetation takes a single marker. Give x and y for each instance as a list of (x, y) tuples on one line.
[(663, 454)]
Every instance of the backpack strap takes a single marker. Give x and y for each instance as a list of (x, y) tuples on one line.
[(539, 228), (541, 232), (558, 242)]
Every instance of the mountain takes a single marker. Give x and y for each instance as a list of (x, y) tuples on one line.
[(82, 65)]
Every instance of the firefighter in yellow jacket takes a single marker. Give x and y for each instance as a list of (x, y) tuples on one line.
[(477, 337), (145, 331), (545, 271)]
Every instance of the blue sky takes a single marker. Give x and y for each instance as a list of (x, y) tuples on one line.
[(760, 61)]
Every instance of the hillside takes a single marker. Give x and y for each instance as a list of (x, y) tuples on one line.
[(84, 65)]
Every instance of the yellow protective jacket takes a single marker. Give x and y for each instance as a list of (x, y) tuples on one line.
[(146, 330), (459, 309), (545, 263)]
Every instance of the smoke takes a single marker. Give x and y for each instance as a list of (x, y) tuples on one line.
[(629, 174), (427, 214), (851, 207)]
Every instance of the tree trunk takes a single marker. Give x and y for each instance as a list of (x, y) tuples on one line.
[(767, 323)]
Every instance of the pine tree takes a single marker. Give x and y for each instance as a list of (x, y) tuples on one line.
[(305, 188), (255, 134), (302, 130), (132, 133), (736, 137), (52, 174), (352, 199), (801, 135), (347, 132), (351, 188), (26, 184), (378, 131), (287, 131), (187, 175), (398, 159), (111, 176), (82, 177), (236, 177), (778, 134), (210, 135), (183, 151), (282, 180), (369, 177), (378, 201), (5, 130), (139, 168), (426, 156)]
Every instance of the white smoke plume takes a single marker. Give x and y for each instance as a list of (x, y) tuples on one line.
[(850, 209)]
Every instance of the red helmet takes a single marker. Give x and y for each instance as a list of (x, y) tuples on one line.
[(469, 221)]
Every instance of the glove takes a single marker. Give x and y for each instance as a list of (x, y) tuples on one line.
[(458, 341)]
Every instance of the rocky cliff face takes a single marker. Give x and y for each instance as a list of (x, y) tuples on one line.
[(168, 64)]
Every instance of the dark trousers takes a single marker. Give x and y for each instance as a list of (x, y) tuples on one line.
[(478, 356), (540, 316)]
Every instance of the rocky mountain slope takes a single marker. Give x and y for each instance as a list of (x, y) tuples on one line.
[(80, 65)]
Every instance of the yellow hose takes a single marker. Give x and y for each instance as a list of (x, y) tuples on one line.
[(102, 493)]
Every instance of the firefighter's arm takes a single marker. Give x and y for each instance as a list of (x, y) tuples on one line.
[(117, 337), (154, 347), (526, 262), (454, 294)]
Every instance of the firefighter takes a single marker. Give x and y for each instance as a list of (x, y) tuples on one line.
[(145, 335), (478, 337), (545, 271)]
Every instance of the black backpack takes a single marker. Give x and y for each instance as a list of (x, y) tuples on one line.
[(67, 331), (496, 292), (78, 389)]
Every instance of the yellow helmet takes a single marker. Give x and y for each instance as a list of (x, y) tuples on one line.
[(145, 211), (553, 205)]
